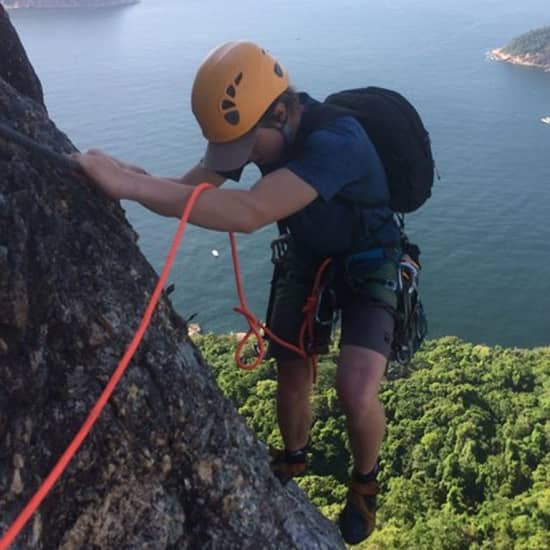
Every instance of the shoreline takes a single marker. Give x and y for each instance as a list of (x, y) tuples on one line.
[(67, 4), (195, 332), (498, 54)]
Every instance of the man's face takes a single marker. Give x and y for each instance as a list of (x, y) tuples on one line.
[(269, 146), (270, 143)]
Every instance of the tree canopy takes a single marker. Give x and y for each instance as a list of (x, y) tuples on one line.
[(533, 42), (466, 459)]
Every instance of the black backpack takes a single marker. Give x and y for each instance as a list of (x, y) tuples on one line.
[(398, 134), (403, 144)]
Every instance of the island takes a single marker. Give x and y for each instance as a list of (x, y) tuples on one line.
[(15, 4), (531, 49)]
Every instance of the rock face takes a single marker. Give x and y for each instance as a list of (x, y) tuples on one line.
[(15, 67), (170, 464)]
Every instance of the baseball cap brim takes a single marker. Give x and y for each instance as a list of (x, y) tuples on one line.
[(232, 155)]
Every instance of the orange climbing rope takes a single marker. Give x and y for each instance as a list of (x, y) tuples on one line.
[(255, 328)]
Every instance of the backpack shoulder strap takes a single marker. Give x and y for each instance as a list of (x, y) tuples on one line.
[(315, 118)]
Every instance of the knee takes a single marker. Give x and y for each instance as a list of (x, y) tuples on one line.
[(358, 378), (357, 395), (356, 401)]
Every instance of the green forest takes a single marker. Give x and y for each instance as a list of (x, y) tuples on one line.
[(532, 42), (466, 459)]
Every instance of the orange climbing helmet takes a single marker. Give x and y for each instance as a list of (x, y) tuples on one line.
[(234, 87)]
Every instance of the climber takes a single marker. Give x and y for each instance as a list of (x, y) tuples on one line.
[(249, 113)]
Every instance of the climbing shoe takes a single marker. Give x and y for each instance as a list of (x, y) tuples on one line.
[(288, 464), (358, 518)]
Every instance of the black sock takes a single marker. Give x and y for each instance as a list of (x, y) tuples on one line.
[(365, 478), (296, 457)]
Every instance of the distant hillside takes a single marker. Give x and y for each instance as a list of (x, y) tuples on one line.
[(13, 4), (530, 49)]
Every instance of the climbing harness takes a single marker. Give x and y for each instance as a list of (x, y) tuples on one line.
[(258, 328), (321, 303), (279, 248), (411, 323)]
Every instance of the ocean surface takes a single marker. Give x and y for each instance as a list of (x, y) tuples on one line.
[(120, 79)]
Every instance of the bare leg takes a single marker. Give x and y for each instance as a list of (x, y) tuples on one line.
[(358, 377), (293, 402)]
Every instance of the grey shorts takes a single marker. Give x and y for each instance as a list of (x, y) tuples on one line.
[(366, 322)]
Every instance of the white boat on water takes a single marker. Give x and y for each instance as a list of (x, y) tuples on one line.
[(545, 119)]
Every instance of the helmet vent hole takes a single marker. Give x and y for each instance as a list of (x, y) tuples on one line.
[(227, 104), (232, 117), (238, 79), (278, 70), (230, 91)]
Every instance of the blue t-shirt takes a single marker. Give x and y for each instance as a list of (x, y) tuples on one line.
[(340, 162)]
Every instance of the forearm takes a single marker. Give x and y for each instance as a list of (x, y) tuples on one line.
[(194, 177), (274, 197), (159, 195), (221, 210)]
